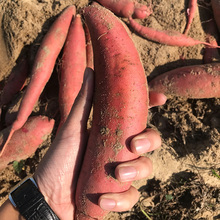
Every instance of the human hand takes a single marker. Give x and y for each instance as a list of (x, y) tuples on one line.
[(58, 171)]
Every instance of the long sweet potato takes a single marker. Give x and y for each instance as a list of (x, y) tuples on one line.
[(191, 10), (44, 64), (26, 140), (43, 67), (72, 68), (120, 109), (198, 81), (127, 8), (216, 11), (172, 38)]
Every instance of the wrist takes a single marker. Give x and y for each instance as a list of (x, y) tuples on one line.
[(44, 191), (8, 211), (30, 202), (54, 196)]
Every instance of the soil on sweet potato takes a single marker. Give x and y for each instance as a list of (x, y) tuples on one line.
[(185, 182)]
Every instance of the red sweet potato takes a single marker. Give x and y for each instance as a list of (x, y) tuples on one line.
[(15, 82), (43, 66), (172, 38), (120, 109), (216, 11), (26, 140), (72, 68), (127, 8), (12, 109), (89, 49), (198, 81), (211, 53), (190, 12)]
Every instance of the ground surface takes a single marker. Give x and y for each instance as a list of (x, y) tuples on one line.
[(182, 185)]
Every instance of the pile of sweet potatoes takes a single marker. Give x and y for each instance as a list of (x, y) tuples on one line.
[(199, 81), (120, 107), (40, 74), (118, 103)]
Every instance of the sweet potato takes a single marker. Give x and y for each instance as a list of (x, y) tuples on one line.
[(172, 38), (72, 68), (89, 49), (12, 109), (43, 66), (198, 81), (15, 82), (190, 12), (216, 11), (211, 53), (127, 8), (120, 110), (26, 140)]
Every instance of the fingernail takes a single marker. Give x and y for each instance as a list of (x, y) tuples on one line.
[(142, 145), (127, 173), (164, 98), (107, 204)]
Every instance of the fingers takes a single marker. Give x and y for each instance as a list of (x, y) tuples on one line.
[(156, 99), (145, 142), (119, 201), (137, 169), (141, 167), (134, 170)]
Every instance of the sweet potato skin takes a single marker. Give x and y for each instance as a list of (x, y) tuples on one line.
[(12, 110), (127, 8), (89, 50), (167, 37), (43, 67), (44, 64), (198, 81), (72, 68), (191, 10), (15, 81), (211, 54), (120, 110), (26, 140)]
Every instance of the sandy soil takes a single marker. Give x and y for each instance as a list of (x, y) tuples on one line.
[(182, 185)]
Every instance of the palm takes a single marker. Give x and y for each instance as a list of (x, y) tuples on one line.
[(57, 177), (57, 173)]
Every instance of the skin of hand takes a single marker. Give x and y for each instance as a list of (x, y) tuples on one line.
[(58, 171)]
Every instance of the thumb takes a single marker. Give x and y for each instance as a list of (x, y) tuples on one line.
[(62, 162), (77, 119)]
